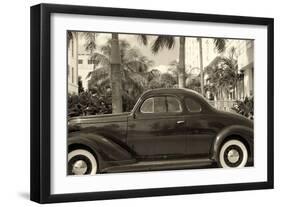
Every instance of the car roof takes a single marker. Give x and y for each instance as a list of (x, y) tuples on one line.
[(176, 91), (183, 91)]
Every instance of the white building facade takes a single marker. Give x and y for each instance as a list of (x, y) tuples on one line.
[(79, 63), (245, 58), (72, 64), (244, 54), (85, 66)]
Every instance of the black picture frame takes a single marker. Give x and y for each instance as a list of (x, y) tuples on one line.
[(41, 95)]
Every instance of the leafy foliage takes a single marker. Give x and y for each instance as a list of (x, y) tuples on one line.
[(137, 76), (245, 107), (80, 85), (219, 44), (222, 76), (134, 72), (88, 103), (90, 38), (161, 42), (194, 83)]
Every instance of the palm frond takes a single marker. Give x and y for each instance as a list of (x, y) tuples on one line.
[(90, 38), (220, 44), (150, 75), (103, 83), (106, 49), (232, 52), (89, 75), (100, 59), (124, 44), (131, 54), (161, 42), (136, 66), (143, 39)]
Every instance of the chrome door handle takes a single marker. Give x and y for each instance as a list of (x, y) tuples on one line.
[(180, 122)]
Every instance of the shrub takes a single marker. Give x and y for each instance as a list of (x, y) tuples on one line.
[(245, 107), (88, 103)]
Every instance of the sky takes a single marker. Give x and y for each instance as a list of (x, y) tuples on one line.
[(161, 60)]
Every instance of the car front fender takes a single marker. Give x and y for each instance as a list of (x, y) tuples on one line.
[(235, 131), (107, 151)]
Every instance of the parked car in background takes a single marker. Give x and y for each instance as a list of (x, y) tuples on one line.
[(167, 129)]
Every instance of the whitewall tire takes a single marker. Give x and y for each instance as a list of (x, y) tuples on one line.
[(82, 162), (233, 154)]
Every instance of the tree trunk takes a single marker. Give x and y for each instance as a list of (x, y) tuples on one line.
[(115, 75), (201, 65), (181, 66)]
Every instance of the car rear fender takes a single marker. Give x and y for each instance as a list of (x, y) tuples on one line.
[(240, 132)]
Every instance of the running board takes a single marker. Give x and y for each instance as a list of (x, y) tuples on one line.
[(161, 165)]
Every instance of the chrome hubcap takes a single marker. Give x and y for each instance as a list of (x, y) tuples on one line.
[(79, 167), (233, 156)]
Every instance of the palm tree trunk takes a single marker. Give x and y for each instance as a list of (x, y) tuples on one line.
[(181, 66), (201, 65), (115, 75)]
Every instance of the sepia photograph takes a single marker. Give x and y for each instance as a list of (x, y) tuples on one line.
[(145, 102), (130, 103)]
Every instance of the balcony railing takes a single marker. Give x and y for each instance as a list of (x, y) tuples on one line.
[(223, 105)]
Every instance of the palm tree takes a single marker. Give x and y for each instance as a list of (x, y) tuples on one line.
[(222, 77), (201, 66), (219, 45), (115, 75), (115, 67), (161, 80), (163, 41), (133, 71), (181, 68), (90, 38)]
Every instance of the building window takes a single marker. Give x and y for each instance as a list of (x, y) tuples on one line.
[(72, 74), (80, 61), (72, 48), (90, 62)]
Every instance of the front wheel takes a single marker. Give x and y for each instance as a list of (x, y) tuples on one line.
[(81, 162), (233, 154)]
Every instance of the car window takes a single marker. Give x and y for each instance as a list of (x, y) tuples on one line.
[(173, 104), (154, 105), (192, 105), (161, 104), (147, 106)]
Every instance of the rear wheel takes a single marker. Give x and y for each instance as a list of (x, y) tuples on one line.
[(81, 162), (233, 154)]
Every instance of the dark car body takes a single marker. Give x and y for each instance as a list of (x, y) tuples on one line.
[(176, 139)]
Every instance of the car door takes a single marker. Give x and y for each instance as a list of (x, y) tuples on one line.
[(199, 130), (157, 128)]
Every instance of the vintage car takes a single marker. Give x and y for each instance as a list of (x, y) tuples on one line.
[(167, 129)]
